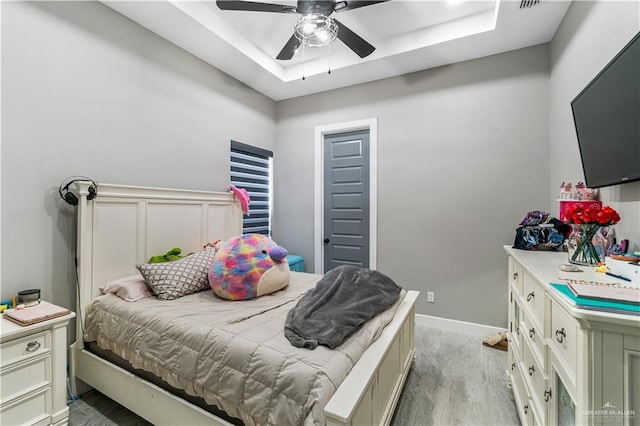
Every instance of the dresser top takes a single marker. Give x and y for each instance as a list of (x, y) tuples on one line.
[(544, 267)]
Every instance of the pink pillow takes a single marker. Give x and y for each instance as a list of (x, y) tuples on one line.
[(131, 288)]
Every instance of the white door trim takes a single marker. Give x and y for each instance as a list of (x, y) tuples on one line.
[(370, 124)]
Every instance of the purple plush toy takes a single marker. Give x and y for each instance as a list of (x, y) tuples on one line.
[(248, 266)]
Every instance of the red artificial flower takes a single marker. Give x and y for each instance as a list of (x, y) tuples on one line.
[(593, 214)]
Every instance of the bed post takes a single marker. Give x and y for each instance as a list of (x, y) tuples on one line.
[(83, 264)]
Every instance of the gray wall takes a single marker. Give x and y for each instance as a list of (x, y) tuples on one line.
[(464, 150), (463, 154), (87, 91), (591, 34)]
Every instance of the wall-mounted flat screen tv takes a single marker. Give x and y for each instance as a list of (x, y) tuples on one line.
[(606, 114)]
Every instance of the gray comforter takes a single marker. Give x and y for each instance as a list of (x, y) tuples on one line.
[(232, 354), (344, 299)]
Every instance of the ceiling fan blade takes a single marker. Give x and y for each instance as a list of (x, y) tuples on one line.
[(289, 49), (354, 41), (341, 6), (253, 6)]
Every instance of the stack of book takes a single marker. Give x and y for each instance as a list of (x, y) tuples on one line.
[(611, 297)]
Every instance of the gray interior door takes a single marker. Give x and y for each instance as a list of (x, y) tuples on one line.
[(346, 199)]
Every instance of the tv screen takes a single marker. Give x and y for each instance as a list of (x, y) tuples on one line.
[(607, 119)]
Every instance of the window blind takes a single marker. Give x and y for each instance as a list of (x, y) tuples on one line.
[(251, 170)]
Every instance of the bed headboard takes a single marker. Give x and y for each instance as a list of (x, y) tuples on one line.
[(125, 225)]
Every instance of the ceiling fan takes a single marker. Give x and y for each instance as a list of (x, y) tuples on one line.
[(315, 28)]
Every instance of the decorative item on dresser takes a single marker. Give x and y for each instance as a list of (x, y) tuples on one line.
[(33, 370), (589, 224), (568, 365)]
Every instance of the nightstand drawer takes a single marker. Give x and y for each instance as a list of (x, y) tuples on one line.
[(20, 350), (32, 409), (24, 378)]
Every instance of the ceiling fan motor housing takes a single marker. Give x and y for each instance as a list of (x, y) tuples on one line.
[(322, 7)]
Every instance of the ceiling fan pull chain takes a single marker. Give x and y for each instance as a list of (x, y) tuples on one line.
[(303, 61), (329, 58)]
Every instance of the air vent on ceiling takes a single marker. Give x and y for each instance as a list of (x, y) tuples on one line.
[(528, 3)]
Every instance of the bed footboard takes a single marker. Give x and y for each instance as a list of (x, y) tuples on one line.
[(369, 394)]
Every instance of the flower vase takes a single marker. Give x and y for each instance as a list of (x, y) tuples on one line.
[(582, 250)]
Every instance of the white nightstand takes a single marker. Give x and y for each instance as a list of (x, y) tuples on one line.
[(33, 372)]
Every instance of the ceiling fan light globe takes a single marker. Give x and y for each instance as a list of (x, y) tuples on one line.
[(308, 29), (322, 35), (316, 30)]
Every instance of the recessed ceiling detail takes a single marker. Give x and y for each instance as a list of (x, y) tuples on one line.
[(408, 36)]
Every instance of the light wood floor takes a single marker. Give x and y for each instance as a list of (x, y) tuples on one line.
[(454, 381)]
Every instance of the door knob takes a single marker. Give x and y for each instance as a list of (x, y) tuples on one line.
[(326, 241)]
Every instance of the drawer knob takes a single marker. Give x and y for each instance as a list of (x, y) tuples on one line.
[(532, 332), (560, 335), (526, 409), (515, 276), (33, 346), (547, 395), (532, 370), (513, 366), (530, 296)]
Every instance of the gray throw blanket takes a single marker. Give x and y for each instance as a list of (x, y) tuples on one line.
[(342, 300)]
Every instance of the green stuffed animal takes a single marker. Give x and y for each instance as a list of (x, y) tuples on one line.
[(173, 254)]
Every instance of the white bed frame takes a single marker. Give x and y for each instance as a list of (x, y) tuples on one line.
[(125, 225)]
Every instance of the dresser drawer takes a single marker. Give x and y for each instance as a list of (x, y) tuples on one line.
[(535, 376), (520, 394), (20, 350), (514, 328), (565, 334), (533, 334), (534, 297), (24, 378), (515, 275)]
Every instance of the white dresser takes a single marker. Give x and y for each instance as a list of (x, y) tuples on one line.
[(567, 365), (33, 372)]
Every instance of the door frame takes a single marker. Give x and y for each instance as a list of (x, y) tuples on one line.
[(370, 124)]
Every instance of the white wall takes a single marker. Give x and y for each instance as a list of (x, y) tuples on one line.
[(87, 91), (462, 156), (591, 34)]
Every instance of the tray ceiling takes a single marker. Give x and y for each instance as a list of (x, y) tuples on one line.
[(408, 35)]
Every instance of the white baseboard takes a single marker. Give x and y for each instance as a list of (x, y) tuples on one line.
[(456, 326)]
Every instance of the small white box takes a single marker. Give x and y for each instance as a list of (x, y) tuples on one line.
[(624, 269)]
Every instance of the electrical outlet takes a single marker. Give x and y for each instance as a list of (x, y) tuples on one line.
[(431, 297)]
